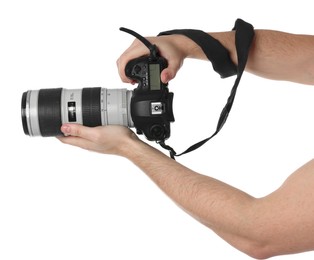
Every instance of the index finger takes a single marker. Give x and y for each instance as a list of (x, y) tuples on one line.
[(137, 49)]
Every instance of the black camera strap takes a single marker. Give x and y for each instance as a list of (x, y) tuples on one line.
[(222, 64), (152, 47)]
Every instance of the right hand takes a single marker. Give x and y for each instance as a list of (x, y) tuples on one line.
[(173, 48)]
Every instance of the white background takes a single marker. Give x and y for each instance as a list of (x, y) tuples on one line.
[(61, 202)]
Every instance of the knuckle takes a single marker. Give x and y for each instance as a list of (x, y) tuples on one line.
[(76, 131), (118, 62)]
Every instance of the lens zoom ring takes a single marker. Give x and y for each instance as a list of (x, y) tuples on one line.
[(49, 111), (91, 109)]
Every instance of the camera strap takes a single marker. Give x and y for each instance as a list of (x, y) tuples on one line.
[(152, 47), (222, 64)]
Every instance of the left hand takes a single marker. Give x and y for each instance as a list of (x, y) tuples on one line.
[(112, 139)]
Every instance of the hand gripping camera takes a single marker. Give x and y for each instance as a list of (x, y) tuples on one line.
[(148, 107), (151, 102)]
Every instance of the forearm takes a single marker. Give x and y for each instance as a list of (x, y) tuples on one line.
[(273, 55), (282, 56), (223, 208)]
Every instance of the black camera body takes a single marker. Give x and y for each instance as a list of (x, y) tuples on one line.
[(151, 102)]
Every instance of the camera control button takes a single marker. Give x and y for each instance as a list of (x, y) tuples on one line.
[(137, 69), (157, 132)]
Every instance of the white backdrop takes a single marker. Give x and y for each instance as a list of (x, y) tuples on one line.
[(61, 202)]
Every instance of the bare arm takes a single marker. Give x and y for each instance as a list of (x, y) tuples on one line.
[(274, 55), (279, 223), (277, 55)]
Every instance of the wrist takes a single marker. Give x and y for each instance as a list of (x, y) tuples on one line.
[(139, 152), (227, 39), (129, 145), (188, 47)]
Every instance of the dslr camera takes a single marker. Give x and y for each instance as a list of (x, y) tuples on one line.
[(148, 107)]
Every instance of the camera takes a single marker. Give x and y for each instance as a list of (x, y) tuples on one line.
[(148, 107)]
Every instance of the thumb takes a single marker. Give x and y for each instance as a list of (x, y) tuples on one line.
[(167, 74), (75, 130)]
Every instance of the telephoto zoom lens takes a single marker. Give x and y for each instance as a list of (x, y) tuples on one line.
[(44, 111)]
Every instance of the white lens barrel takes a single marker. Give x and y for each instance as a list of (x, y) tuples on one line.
[(74, 96), (38, 118), (115, 107)]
